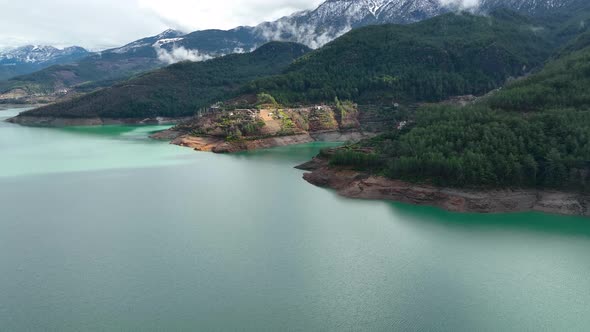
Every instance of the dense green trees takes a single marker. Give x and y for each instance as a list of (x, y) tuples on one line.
[(358, 159), (266, 99), (533, 133), (563, 83), (476, 146), (449, 55), (453, 54), (180, 89)]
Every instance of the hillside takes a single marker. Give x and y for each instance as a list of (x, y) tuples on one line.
[(180, 89), (533, 133), (58, 80), (313, 28), (266, 125), (95, 70), (563, 83), (452, 54)]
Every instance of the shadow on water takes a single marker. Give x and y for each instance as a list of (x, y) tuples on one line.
[(292, 155), (535, 222), (425, 216), (19, 108), (9, 111), (117, 131)]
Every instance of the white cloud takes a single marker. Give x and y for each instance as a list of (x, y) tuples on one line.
[(178, 54), (110, 23), (304, 34), (461, 3)]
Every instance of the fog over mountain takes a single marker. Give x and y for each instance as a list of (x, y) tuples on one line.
[(331, 19), (312, 27), (97, 26)]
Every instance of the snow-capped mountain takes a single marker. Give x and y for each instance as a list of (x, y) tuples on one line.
[(531, 7), (313, 28), (30, 58), (336, 17), (39, 54), (139, 46), (333, 18), (165, 47)]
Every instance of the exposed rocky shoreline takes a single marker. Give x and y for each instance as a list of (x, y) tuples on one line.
[(354, 184), (217, 141), (220, 145), (266, 127), (351, 183)]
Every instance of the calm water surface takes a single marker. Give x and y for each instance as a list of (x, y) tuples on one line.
[(102, 229)]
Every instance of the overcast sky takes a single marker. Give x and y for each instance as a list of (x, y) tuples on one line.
[(97, 24)]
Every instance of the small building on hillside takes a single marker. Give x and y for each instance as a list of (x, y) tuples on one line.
[(215, 107)]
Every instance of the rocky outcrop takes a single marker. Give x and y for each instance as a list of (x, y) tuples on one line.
[(250, 129), (219, 145), (354, 184)]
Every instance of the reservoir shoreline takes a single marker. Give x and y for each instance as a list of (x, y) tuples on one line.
[(103, 228), (354, 184), (221, 145), (360, 185)]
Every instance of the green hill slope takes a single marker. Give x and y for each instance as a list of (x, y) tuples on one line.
[(99, 70), (563, 83), (453, 54), (180, 89), (533, 133)]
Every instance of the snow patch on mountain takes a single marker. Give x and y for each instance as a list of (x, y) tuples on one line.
[(129, 47), (168, 36), (334, 18), (313, 28), (166, 41), (525, 6), (38, 54)]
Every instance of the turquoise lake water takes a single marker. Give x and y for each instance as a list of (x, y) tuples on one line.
[(103, 229)]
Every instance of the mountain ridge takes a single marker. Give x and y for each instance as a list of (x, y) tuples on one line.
[(313, 28), (425, 61), (178, 90), (30, 58)]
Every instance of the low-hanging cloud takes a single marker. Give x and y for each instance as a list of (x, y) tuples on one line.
[(306, 34), (97, 26), (463, 4), (178, 54), (286, 29)]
